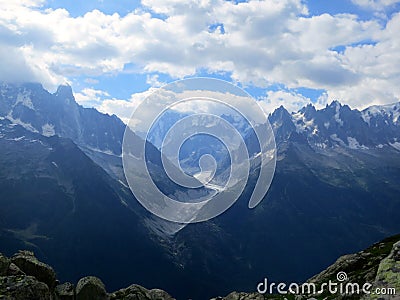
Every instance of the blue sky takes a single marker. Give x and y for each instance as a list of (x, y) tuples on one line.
[(288, 52)]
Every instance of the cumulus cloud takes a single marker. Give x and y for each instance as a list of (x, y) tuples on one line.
[(123, 108), (262, 43), (90, 95), (290, 100), (378, 68), (153, 81), (375, 4)]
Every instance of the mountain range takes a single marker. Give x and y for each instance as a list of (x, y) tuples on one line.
[(63, 195)]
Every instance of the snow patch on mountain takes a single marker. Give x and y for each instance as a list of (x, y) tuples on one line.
[(17, 139), (391, 111), (105, 151), (395, 145), (301, 122), (334, 137), (18, 121), (370, 112), (321, 145), (337, 114), (48, 130), (25, 100), (354, 144)]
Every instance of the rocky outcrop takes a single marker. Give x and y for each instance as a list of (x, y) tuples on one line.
[(30, 265), (378, 265), (24, 277), (91, 288), (65, 291), (22, 288), (4, 264), (388, 274), (241, 296), (138, 292)]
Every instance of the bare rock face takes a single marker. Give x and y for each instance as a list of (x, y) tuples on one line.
[(23, 288), (388, 275), (15, 285), (157, 294), (13, 270), (137, 292), (30, 265), (89, 288), (24, 277), (65, 291), (241, 296), (4, 264)]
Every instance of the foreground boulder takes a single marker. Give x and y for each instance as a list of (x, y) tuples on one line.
[(137, 292), (23, 288), (378, 265), (241, 296), (65, 291), (30, 265), (89, 288), (388, 274), (24, 277), (4, 264)]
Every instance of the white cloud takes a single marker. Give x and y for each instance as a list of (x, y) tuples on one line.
[(263, 42), (290, 100), (90, 95), (375, 4), (378, 68), (153, 81), (222, 105), (91, 81), (123, 108), (27, 3)]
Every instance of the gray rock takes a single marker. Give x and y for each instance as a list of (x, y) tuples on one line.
[(133, 292), (23, 288), (137, 292), (241, 296), (65, 291), (30, 265), (157, 294), (13, 270), (91, 288), (388, 275), (4, 264)]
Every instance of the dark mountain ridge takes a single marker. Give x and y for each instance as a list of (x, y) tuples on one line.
[(58, 203), (335, 191)]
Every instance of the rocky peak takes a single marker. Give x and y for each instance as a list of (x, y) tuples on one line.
[(338, 125), (39, 111), (335, 104), (64, 91), (308, 111)]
